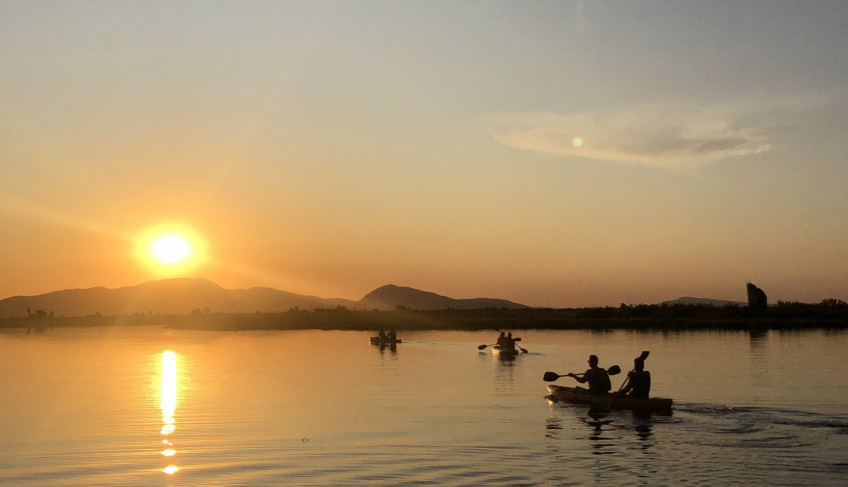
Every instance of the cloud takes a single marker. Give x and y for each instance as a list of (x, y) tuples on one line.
[(668, 136)]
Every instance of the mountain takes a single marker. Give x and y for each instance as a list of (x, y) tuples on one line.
[(169, 296), (686, 300), (391, 296), (182, 296)]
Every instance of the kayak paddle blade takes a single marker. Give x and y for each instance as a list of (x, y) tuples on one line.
[(614, 370), (550, 376)]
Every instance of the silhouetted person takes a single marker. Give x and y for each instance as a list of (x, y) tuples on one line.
[(509, 343), (392, 335), (638, 381), (598, 378), (501, 340), (381, 335), (756, 297)]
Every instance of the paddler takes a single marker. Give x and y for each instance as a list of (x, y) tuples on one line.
[(638, 380), (501, 342), (509, 342), (598, 378)]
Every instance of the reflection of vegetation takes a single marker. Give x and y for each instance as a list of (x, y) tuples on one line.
[(39, 314), (830, 313)]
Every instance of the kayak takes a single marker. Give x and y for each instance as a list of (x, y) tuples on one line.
[(504, 353), (384, 341), (660, 405)]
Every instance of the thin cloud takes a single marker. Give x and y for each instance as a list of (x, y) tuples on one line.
[(668, 136)]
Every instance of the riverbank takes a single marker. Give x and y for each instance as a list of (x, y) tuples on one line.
[(655, 318)]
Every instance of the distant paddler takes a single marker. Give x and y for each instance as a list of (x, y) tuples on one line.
[(505, 342)]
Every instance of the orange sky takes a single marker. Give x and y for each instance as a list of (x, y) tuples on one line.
[(329, 148)]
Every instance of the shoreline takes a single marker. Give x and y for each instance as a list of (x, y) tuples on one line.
[(648, 318)]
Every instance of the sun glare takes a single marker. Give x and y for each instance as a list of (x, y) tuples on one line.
[(170, 249)]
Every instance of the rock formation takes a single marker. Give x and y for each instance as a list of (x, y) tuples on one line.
[(756, 297)]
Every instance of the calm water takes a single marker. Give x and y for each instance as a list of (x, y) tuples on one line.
[(99, 407)]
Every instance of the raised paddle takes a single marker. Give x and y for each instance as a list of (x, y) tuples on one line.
[(552, 376)]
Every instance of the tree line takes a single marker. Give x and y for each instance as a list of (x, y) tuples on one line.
[(830, 313)]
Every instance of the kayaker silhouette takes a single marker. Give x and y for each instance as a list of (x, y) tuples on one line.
[(509, 342), (598, 378), (638, 380), (501, 342)]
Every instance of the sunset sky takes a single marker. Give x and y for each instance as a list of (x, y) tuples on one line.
[(560, 154)]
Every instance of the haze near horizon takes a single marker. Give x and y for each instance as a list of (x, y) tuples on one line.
[(560, 154)]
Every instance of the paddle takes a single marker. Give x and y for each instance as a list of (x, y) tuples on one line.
[(481, 347), (552, 376)]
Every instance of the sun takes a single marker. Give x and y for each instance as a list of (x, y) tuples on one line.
[(171, 249)]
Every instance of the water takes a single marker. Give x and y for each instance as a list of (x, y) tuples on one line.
[(85, 407)]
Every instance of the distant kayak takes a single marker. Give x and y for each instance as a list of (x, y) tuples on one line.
[(503, 352), (384, 341), (659, 405)]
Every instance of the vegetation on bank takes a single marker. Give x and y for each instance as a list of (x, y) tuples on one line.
[(830, 313)]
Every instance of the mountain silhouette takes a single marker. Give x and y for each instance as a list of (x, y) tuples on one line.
[(169, 296), (391, 296), (185, 295)]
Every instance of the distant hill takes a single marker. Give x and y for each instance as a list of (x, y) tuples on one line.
[(182, 296), (169, 296), (711, 302), (391, 296)]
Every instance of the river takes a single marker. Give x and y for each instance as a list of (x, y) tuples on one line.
[(149, 406)]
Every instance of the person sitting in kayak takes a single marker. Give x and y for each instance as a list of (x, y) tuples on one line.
[(501, 340), (381, 335), (598, 378), (638, 381), (392, 335), (509, 342)]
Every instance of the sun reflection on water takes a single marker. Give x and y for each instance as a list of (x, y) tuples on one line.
[(168, 405)]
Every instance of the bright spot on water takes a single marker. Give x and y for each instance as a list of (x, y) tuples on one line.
[(577, 142), (169, 404)]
